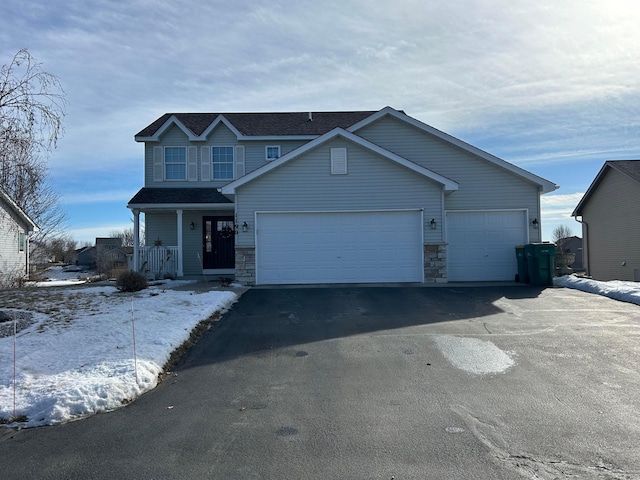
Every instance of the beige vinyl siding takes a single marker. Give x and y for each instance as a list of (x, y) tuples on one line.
[(13, 262), (613, 228), (305, 183), (483, 186)]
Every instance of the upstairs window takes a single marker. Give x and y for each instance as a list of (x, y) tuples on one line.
[(272, 152), (222, 158), (175, 163), (21, 242)]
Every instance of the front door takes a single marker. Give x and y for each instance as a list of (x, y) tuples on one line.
[(218, 242)]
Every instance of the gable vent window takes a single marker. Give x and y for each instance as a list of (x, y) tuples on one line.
[(338, 161), (272, 152)]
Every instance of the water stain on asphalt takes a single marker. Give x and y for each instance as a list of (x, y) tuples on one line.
[(287, 431)]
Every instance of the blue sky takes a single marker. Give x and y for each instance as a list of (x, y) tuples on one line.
[(549, 86)]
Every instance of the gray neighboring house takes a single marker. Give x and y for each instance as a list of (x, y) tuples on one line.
[(15, 229), (328, 197), (610, 215), (111, 248), (573, 245)]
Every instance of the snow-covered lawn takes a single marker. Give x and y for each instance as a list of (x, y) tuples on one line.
[(74, 347)]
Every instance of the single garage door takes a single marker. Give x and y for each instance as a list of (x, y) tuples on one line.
[(339, 247), (481, 244)]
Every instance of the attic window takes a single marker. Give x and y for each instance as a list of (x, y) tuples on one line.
[(272, 152), (338, 161)]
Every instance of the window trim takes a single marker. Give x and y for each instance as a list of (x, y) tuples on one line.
[(213, 162), (266, 152), (339, 165), (186, 163)]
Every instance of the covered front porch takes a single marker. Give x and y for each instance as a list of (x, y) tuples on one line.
[(183, 239)]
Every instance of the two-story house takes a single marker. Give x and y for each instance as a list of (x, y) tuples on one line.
[(328, 197)]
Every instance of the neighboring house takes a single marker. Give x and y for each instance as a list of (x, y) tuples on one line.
[(610, 217), (571, 245), (15, 230), (108, 250), (329, 197)]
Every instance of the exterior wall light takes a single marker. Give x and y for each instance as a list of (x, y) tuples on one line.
[(433, 224), (245, 227), (192, 226), (534, 222)]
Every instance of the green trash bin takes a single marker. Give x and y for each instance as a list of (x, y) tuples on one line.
[(540, 263), (523, 275)]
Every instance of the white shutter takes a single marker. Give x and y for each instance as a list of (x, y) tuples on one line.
[(192, 164), (338, 161), (158, 164), (205, 164), (239, 161)]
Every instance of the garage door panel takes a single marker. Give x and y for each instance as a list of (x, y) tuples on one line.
[(481, 244), (339, 247)]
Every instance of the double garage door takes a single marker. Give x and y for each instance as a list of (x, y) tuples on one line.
[(339, 247), (481, 245)]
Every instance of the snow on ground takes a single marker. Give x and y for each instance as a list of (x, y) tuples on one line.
[(618, 290), (74, 347)]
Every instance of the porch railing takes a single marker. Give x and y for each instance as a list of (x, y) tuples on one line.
[(159, 262)]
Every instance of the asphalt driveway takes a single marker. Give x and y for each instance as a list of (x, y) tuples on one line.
[(444, 383)]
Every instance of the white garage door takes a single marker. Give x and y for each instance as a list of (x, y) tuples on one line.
[(481, 245), (339, 247)]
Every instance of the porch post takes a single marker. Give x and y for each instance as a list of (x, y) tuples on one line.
[(180, 272), (136, 240)]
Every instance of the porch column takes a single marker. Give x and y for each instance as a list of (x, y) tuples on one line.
[(180, 272), (136, 240)]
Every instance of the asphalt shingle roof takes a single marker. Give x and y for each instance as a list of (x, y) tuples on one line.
[(265, 124), (169, 196), (628, 167)]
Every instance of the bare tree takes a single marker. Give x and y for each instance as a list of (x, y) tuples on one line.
[(560, 232), (32, 106)]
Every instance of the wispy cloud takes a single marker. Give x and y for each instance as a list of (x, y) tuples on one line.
[(122, 196)]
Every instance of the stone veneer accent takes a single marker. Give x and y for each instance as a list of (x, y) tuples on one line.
[(246, 265), (435, 263)]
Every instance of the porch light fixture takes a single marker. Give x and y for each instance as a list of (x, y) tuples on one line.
[(433, 224), (534, 222), (192, 226), (245, 227)]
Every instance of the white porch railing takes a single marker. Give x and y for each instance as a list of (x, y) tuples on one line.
[(159, 262)]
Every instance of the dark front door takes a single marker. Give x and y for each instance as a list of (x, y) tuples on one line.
[(218, 242)]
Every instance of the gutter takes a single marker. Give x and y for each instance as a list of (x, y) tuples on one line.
[(585, 236)]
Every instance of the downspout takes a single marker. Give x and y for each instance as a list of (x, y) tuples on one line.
[(585, 239)]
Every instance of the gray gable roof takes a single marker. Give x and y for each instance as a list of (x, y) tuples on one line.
[(5, 199), (631, 168), (175, 196), (264, 124)]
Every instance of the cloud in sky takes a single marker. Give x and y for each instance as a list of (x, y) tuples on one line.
[(550, 86)]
